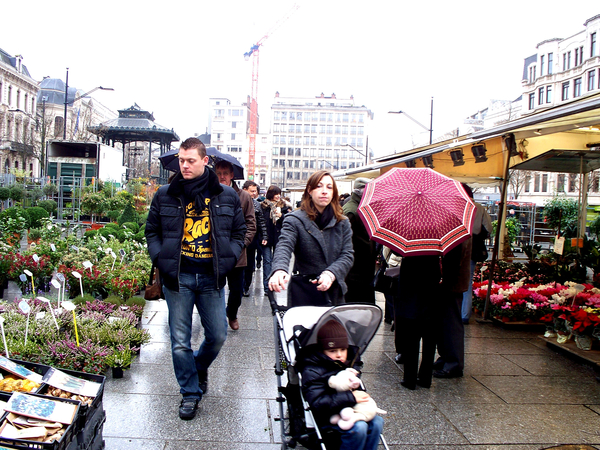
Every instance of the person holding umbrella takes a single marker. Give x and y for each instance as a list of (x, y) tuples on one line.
[(235, 278), (320, 237)]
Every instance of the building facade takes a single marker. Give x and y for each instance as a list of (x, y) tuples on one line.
[(315, 133), (19, 144)]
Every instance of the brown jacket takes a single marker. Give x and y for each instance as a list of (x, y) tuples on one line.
[(248, 211), (456, 268)]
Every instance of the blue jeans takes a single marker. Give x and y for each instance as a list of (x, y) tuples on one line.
[(195, 290), (363, 435), (267, 255), (467, 304)]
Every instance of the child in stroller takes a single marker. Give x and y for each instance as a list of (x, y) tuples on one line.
[(319, 363)]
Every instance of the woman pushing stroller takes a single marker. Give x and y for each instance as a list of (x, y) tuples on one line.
[(318, 364)]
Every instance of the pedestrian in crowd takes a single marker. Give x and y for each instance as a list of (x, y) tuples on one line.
[(359, 279), (344, 198), (321, 361), (415, 309), (274, 209), (451, 330), (260, 238), (193, 268), (235, 278), (259, 252), (320, 237), (482, 228)]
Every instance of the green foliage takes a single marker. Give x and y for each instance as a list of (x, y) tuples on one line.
[(4, 193), (129, 215), (120, 358), (93, 203), (595, 227), (513, 228), (17, 192), (113, 214), (49, 205), (34, 234), (90, 234), (50, 189), (114, 300), (79, 300), (133, 226), (143, 218), (561, 214), (140, 301), (35, 194), (35, 215), (13, 220)]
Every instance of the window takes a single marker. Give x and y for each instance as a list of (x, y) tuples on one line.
[(338, 129), (322, 117), (219, 112), (572, 182), (592, 44), (532, 74), (25, 102), (282, 140), (284, 116), (298, 129), (277, 115), (290, 152), (297, 163), (18, 99), (346, 117), (353, 130), (299, 116), (292, 115), (531, 100), (233, 124), (577, 57), (345, 129), (545, 182), (542, 61), (527, 182), (541, 96), (361, 118), (291, 128), (315, 116), (591, 80), (306, 140), (329, 129), (568, 60), (322, 129), (313, 128), (577, 87), (560, 182), (536, 182), (550, 63), (1, 90), (306, 128), (548, 94), (9, 95), (329, 117), (565, 91), (298, 152), (275, 128), (329, 141)]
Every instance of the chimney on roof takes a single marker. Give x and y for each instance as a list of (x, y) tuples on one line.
[(333, 95), (277, 94), (322, 95), (19, 59)]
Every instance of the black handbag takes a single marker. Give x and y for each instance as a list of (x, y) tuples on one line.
[(383, 283), (302, 292)]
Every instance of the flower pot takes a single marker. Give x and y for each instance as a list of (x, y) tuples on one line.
[(562, 338), (117, 372), (583, 342)]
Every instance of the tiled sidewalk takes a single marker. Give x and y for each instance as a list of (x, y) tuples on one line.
[(516, 394)]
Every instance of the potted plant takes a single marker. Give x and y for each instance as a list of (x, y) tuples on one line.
[(120, 359)]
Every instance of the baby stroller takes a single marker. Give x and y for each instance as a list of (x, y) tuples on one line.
[(293, 329)]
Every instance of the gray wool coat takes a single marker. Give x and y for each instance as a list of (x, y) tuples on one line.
[(315, 250)]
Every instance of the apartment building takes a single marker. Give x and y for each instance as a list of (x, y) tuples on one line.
[(315, 133)]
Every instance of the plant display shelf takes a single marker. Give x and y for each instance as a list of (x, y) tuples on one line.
[(570, 349)]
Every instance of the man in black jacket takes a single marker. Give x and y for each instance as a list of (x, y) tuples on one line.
[(195, 232), (260, 238)]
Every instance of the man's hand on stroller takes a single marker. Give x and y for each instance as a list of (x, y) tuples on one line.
[(361, 396), (278, 280), (324, 281)]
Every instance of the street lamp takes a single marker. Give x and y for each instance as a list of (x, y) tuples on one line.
[(74, 100), (430, 129)]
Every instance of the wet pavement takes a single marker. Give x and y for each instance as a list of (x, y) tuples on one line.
[(516, 393)]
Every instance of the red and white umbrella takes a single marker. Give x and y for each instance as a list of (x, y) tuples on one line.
[(417, 211)]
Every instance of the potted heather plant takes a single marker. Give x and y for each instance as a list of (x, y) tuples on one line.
[(120, 360)]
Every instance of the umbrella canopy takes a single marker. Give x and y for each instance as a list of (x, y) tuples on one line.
[(170, 161), (417, 211)]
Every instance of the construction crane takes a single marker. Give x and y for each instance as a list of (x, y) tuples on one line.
[(254, 51)]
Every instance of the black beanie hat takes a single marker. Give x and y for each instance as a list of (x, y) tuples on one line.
[(332, 334)]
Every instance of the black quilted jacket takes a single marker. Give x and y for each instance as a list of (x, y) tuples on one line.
[(164, 229)]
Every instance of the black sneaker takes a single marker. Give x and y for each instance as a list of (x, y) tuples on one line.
[(246, 293), (203, 381), (188, 408)]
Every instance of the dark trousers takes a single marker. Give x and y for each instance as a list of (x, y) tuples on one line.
[(451, 335), (235, 281), (412, 332), (249, 269)]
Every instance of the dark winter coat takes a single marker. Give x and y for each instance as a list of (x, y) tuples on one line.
[(249, 217), (261, 226), (315, 250), (164, 229), (316, 369)]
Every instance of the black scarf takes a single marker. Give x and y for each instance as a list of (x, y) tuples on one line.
[(323, 219), (197, 189)]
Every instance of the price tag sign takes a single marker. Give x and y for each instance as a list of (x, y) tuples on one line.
[(28, 273), (122, 252), (74, 247), (24, 307), (88, 265), (76, 275), (53, 247), (35, 257), (103, 239), (40, 315), (559, 245), (23, 277), (60, 277), (55, 284)]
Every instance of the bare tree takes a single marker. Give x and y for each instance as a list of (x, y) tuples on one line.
[(517, 180)]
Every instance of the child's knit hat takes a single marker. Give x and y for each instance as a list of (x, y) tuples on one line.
[(332, 334)]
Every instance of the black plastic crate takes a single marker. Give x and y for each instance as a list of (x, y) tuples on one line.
[(62, 444), (85, 411), (93, 427), (40, 369)]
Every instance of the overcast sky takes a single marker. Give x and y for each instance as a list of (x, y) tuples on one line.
[(171, 57)]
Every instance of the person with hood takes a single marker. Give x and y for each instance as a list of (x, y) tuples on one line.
[(320, 237), (195, 232), (360, 277)]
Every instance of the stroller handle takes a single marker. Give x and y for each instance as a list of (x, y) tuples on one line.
[(275, 308)]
